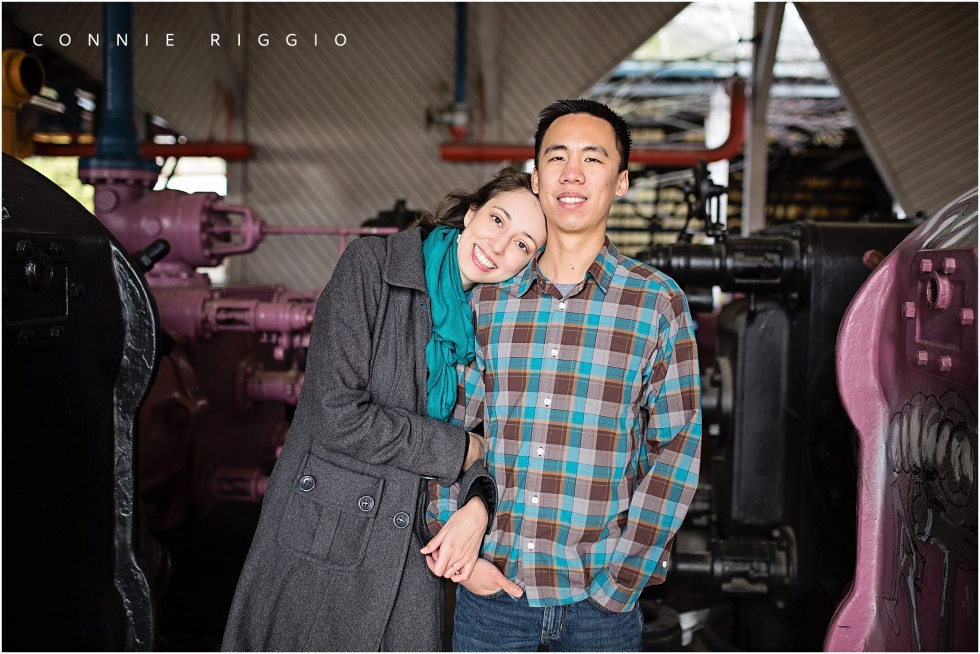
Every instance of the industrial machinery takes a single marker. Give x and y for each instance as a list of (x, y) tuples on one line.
[(771, 535), (110, 333)]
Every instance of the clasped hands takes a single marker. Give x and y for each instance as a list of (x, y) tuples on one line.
[(454, 553)]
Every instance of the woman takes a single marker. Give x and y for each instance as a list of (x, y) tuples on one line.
[(335, 563)]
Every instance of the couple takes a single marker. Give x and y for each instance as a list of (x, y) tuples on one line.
[(583, 371)]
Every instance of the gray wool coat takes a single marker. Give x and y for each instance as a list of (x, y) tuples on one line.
[(335, 563)]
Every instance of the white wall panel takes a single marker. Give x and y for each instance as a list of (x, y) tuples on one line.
[(339, 132)]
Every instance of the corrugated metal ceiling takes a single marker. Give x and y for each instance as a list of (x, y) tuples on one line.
[(908, 71)]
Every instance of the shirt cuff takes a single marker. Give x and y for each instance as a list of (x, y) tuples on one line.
[(608, 594)]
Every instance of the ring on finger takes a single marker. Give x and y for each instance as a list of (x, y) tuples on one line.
[(457, 572)]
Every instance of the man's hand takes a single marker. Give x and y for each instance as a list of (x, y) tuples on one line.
[(474, 452), (486, 579), (453, 552)]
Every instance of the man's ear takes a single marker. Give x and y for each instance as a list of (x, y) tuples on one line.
[(468, 218), (534, 180), (623, 184)]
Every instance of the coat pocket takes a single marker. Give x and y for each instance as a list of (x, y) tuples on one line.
[(330, 514)]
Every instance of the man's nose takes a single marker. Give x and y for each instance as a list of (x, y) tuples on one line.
[(572, 173)]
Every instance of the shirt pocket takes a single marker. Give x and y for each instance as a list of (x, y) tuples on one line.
[(330, 514)]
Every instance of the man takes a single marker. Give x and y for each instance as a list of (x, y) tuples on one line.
[(587, 382)]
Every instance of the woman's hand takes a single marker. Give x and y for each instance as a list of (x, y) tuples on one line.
[(474, 452), (487, 579), (453, 552)]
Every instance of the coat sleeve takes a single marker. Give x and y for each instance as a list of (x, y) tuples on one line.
[(335, 398)]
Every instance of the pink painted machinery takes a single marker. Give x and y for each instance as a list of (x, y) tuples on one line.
[(907, 372), (218, 411)]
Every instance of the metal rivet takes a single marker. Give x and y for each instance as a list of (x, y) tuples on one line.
[(945, 363), (909, 310), (922, 357), (307, 483), (966, 316), (925, 266)]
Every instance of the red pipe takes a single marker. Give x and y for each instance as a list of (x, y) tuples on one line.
[(237, 151), (672, 157)]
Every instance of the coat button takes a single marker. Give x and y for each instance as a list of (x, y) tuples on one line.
[(401, 520), (366, 503), (307, 483)]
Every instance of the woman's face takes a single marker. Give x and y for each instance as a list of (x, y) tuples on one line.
[(500, 237)]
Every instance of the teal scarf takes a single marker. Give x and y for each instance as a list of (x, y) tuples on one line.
[(452, 338)]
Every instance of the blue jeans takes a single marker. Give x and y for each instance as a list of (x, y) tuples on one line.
[(499, 623)]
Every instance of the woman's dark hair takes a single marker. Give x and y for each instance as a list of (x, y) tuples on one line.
[(452, 209)]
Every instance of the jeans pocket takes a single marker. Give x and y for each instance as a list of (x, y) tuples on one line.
[(597, 606), (494, 595)]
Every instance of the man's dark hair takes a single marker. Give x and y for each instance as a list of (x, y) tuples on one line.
[(556, 110)]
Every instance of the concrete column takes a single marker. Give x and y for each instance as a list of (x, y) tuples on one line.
[(716, 128), (768, 21)]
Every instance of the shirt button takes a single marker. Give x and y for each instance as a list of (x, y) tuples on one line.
[(540, 451), (530, 546), (547, 401), (534, 500), (561, 305), (554, 352)]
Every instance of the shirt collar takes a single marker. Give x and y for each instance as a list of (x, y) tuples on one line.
[(601, 269)]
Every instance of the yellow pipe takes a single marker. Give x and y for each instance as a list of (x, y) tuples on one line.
[(23, 77)]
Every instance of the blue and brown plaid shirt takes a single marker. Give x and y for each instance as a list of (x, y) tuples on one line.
[(591, 407)]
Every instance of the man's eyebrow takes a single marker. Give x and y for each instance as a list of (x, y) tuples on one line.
[(504, 211), (589, 148)]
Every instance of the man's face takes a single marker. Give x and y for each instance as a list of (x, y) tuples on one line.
[(578, 176)]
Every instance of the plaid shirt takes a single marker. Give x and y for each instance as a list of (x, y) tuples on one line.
[(592, 415)]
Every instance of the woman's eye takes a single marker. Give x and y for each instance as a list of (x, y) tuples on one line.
[(497, 220), (522, 246)]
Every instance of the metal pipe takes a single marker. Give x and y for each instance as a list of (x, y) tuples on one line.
[(460, 52), (666, 157), (236, 151), (118, 144)]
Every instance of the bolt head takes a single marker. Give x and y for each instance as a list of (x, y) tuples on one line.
[(945, 363), (26, 337), (966, 316), (57, 331), (24, 248), (925, 266), (55, 250), (949, 265), (76, 290), (922, 357), (908, 310)]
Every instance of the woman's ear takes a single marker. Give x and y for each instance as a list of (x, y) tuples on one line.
[(469, 216)]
